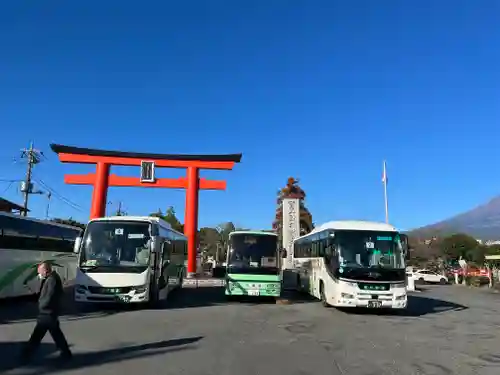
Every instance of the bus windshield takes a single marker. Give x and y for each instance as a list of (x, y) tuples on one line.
[(253, 251), (367, 249), (116, 244)]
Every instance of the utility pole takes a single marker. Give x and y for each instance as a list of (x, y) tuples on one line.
[(34, 157), (49, 195), (119, 211)]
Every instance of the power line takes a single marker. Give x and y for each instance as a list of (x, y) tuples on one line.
[(8, 187), (5, 180), (61, 197), (34, 157)]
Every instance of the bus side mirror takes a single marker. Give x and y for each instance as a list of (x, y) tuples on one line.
[(162, 249), (407, 253), (76, 245), (283, 253)]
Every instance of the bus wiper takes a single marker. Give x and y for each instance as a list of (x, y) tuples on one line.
[(89, 268)]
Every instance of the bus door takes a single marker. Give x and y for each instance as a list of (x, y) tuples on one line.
[(163, 263), (156, 282), (315, 269)]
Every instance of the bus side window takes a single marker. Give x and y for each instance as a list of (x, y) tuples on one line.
[(167, 248), (163, 248), (321, 247), (314, 248)]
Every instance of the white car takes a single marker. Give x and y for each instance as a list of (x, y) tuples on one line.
[(427, 276)]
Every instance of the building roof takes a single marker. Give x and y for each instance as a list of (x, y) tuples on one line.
[(62, 149), (6, 204)]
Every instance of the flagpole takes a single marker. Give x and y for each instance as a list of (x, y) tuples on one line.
[(385, 194)]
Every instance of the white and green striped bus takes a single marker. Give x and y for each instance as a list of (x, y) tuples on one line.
[(24, 243)]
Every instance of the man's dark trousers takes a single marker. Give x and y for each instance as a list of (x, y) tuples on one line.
[(51, 293), (50, 324)]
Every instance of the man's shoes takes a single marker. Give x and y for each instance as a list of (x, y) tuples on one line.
[(66, 356), (24, 358)]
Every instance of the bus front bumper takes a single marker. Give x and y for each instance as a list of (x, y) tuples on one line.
[(260, 289), (107, 295), (393, 302)]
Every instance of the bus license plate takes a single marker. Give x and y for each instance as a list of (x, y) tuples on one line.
[(253, 292), (374, 304)]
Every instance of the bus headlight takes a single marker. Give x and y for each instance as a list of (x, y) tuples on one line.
[(347, 296), (398, 285), (80, 289), (140, 289), (401, 297), (272, 287)]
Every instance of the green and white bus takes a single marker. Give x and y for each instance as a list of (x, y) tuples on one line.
[(129, 259), (24, 243), (253, 264)]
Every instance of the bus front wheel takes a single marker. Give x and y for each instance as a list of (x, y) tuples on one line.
[(322, 295), (154, 297)]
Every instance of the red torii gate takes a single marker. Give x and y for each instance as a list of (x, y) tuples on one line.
[(101, 179)]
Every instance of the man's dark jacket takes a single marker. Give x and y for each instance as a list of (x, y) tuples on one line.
[(51, 293)]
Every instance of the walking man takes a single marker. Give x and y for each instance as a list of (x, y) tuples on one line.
[(49, 306)]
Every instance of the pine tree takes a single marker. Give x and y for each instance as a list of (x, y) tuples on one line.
[(293, 190), (171, 218)]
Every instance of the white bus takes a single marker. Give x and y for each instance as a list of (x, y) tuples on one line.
[(129, 259), (352, 264), (24, 243)]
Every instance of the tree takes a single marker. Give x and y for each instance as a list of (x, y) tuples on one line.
[(170, 218), (208, 239), (293, 190), (492, 250), (477, 255), (224, 229), (458, 245), (213, 241), (423, 250)]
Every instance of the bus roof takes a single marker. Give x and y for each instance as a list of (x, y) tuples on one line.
[(44, 222), (144, 219), (147, 219), (351, 225), (355, 225), (257, 232)]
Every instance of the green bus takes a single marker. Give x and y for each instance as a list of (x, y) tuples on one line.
[(253, 264)]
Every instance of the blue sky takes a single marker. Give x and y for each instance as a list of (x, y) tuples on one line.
[(320, 90)]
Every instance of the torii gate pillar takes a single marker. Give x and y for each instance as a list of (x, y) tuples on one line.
[(100, 192), (191, 216), (101, 180)]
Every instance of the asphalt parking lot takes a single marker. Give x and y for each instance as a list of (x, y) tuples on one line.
[(446, 330)]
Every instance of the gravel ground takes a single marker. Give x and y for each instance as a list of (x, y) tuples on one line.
[(446, 330)]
